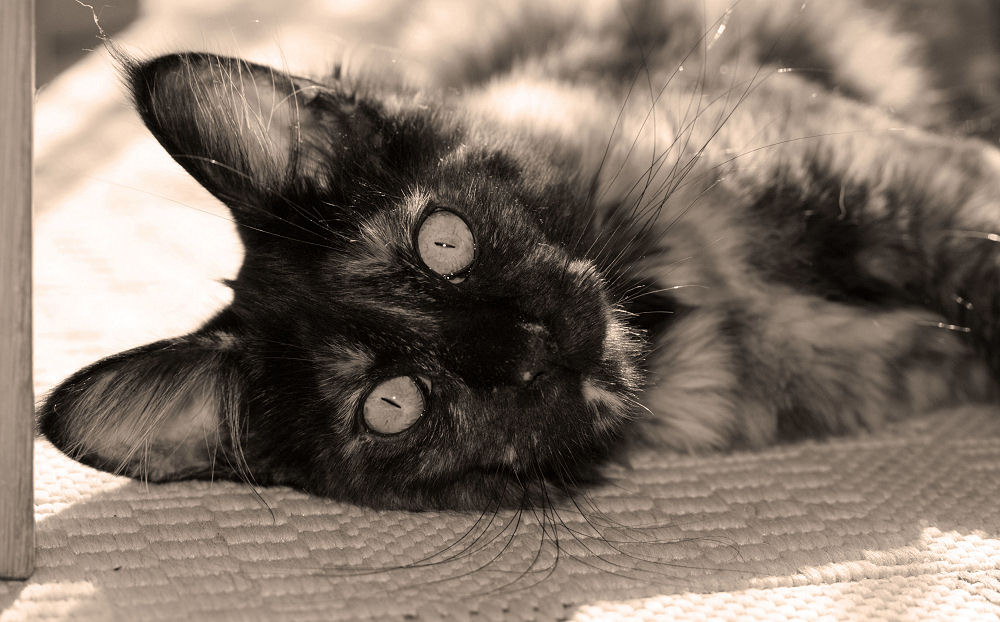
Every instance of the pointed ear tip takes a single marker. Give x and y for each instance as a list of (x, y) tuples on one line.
[(149, 70), (161, 391), (48, 422), (123, 61), (53, 414), (143, 75), (45, 420), (161, 91), (172, 76)]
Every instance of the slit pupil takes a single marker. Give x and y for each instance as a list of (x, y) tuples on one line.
[(390, 402), (444, 245)]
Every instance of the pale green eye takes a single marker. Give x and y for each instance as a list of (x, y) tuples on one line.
[(394, 405), (445, 243)]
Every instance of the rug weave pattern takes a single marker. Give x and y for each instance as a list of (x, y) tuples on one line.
[(896, 526)]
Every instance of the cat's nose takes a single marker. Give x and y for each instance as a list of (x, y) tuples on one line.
[(539, 354), (491, 349)]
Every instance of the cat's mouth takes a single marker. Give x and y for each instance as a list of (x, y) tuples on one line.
[(555, 417)]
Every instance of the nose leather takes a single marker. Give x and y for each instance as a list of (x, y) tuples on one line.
[(539, 354), (495, 349)]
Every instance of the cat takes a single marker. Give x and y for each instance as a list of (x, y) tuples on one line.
[(570, 227)]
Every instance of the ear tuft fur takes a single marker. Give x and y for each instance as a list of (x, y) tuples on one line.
[(163, 411), (234, 125), (255, 137)]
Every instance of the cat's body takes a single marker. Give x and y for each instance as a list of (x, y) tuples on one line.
[(586, 222)]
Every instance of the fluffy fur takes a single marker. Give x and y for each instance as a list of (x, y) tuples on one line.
[(696, 223)]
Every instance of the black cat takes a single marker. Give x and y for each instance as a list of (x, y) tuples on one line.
[(582, 223)]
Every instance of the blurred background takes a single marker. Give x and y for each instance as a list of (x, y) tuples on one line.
[(962, 36), (65, 31), (308, 32)]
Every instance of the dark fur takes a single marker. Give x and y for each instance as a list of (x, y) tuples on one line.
[(775, 263)]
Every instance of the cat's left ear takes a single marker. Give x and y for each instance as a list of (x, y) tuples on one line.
[(164, 411), (251, 134)]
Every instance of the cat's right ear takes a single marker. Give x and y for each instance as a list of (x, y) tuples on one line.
[(250, 134), (164, 411)]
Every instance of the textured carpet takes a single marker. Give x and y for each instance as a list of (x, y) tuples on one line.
[(899, 525)]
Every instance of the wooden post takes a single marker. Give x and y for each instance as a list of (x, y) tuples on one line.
[(17, 86)]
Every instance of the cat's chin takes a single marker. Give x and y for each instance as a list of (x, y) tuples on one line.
[(577, 418), (492, 487)]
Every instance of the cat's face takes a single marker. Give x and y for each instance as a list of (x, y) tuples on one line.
[(416, 323)]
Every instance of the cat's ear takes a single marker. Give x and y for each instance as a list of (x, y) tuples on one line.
[(163, 411), (251, 134)]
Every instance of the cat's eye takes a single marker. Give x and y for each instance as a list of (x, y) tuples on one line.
[(445, 244), (394, 405)]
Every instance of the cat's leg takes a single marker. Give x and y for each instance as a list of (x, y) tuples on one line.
[(839, 200), (953, 249), (813, 367), (907, 218), (804, 366), (837, 289)]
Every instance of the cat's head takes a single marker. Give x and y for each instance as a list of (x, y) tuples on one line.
[(415, 323)]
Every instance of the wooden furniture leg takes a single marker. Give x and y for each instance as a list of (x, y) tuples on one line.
[(17, 530)]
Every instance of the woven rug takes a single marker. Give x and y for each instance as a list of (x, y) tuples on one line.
[(898, 525)]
